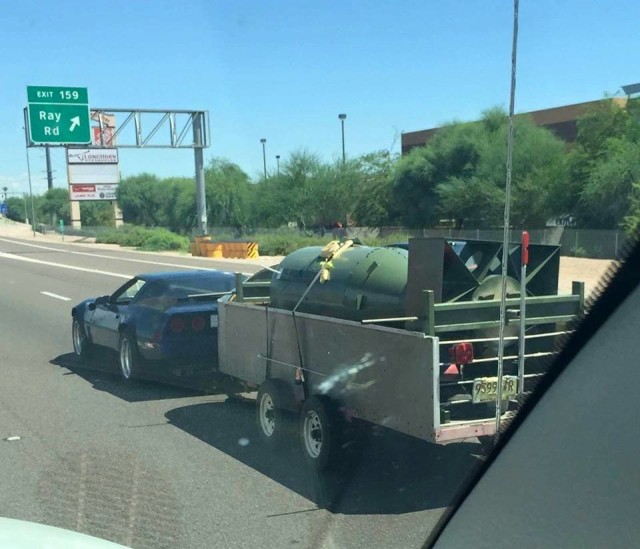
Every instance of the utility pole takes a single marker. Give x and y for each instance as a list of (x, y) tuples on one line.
[(47, 152), (278, 162), (201, 199)]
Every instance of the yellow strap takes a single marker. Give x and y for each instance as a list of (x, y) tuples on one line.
[(330, 252)]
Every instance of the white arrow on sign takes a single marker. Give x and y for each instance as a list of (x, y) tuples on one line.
[(75, 122)]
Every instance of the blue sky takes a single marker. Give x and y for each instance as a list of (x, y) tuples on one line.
[(283, 70)]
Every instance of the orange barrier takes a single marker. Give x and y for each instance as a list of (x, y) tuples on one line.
[(252, 250), (202, 246), (212, 249), (197, 246), (240, 250)]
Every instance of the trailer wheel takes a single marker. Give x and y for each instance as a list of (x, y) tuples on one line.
[(486, 445), (271, 411), (320, 433)]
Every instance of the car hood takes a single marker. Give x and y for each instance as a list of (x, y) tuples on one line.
[(20, 534)]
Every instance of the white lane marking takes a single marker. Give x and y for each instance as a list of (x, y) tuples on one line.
[(107, 256), (62, 266), (56, 296)]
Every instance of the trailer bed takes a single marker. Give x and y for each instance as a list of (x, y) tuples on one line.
[(378, 374)]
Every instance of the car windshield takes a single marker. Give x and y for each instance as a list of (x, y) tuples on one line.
[(280, 273), (185, 287)]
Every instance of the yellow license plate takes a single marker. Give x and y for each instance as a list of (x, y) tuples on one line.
[(485, 389)]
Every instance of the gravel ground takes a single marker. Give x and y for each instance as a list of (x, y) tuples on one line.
[(589, 271)]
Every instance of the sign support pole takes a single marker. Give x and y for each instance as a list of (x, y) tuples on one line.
[(33, 209), (47, 152), (201, 199)]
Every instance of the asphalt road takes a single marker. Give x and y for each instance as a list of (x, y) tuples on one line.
[(151, 465)]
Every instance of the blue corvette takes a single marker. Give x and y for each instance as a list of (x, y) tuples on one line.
[(159, 319)]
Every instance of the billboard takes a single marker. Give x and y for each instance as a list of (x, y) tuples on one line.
[(93, 192), (92, 156), (93, 173), (103, 137)]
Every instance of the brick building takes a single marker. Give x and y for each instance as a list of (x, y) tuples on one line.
[(562, 121)]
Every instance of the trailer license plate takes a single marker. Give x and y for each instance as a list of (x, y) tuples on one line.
[(485, 389)]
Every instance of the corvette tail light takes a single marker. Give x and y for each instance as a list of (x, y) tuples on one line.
[(198, 323), (176, 325), (461, 353)]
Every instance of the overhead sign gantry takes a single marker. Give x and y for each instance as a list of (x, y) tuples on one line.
[(61, 116)]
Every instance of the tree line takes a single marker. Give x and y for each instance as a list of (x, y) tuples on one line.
[(457, 180)]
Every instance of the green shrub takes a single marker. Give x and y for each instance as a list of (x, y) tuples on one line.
[(126, 233), (394, 238), (161, 239), (156, 239), (279, 242), (112, 236), (285, 241), (136, 237)]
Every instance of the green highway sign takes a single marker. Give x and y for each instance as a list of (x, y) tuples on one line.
[(58, 124), (58, 115), (52, 94)]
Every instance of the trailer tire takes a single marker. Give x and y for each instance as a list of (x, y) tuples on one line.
[(272, 416), (486, 445), (320, 433)]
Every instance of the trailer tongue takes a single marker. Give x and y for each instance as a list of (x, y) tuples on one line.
[(402, 337)]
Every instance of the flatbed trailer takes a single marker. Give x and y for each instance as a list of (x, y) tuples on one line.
[(412, 374)]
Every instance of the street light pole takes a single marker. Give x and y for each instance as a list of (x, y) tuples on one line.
[(278, 162), (342, 118), (264, 156)]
